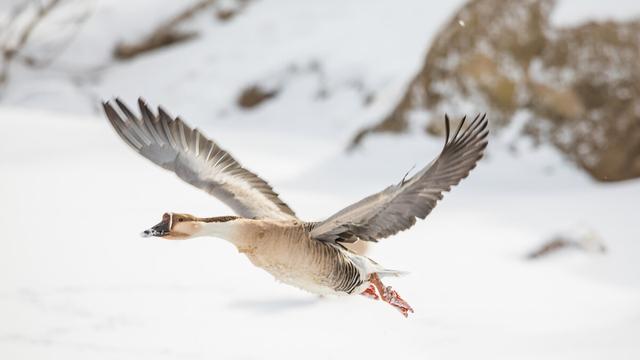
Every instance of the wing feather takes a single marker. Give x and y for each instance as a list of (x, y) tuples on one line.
[(173, 145), (397, 207)]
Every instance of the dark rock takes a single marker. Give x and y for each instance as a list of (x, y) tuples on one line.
[(254, 95)]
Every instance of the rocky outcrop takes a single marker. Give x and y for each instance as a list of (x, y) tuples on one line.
[(586, 98), (580, 87)]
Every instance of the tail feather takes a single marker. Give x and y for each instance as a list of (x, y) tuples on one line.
[(367, 267), (388, 272)]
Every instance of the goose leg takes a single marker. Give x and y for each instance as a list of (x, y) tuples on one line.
[(390, 296), (370, 292)]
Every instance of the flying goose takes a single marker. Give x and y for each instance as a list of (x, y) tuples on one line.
[(308, 255)]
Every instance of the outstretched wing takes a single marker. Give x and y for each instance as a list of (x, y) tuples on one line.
[(197, 160), (397, 207)]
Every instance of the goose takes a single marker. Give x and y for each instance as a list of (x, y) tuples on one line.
[(309, 255)]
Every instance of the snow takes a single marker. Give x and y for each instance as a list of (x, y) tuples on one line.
[(76, 280), (575, 12)]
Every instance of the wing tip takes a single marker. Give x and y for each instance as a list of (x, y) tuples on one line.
[(105, 106), (477, 129), (119, 101), (447, 127), (162, 113), (110, 111), (144, 106)]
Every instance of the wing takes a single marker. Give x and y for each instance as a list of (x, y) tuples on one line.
[(397, 207), (197, 160)]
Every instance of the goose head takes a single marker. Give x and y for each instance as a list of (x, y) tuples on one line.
[(176, 226)]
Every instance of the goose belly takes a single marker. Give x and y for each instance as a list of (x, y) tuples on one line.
[(316, 270), (315, 285)]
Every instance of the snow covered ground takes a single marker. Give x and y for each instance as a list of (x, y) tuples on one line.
[(77, 282)]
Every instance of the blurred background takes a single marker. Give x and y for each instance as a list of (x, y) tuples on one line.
[(535, 255)]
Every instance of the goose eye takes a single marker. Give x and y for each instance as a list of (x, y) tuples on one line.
[(180, 220)]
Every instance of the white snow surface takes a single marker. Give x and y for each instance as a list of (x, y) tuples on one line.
[(574, 12), (77, 282)]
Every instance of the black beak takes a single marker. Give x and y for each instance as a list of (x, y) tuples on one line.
[(161, 229)]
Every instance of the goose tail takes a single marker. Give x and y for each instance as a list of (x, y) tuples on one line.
[(391, 273)]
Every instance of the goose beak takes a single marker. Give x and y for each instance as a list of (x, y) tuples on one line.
[(161, 229)]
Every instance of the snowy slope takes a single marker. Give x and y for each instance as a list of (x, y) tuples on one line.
[(77, 282)]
